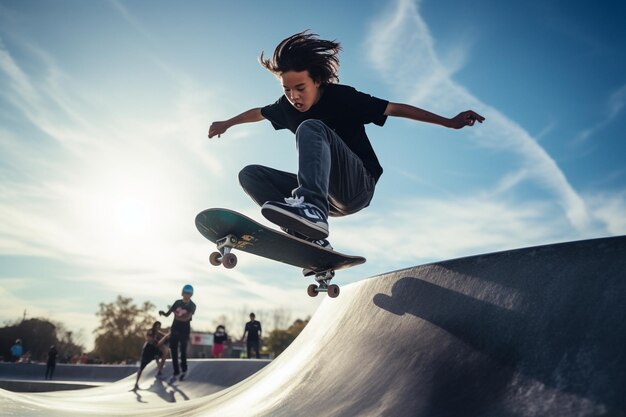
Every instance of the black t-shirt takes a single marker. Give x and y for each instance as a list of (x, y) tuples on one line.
[(153, 337), (181, 308), (220, 336), (253, 328), (343, 109), (52, 355)]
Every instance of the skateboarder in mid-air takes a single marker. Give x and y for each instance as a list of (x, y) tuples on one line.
[(337, 167)]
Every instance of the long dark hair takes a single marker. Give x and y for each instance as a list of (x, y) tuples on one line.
[(304, 51)]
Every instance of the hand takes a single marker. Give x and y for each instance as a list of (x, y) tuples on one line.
[(217, 128), (466, 118), (161, 313)]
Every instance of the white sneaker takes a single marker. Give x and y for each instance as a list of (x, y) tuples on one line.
[(294, 214)]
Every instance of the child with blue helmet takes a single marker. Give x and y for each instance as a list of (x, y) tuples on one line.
[(183, 310)]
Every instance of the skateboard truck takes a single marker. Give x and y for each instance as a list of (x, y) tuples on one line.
[(225, 257), (323, 279)]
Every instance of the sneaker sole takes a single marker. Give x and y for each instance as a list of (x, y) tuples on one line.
[(293, 222)]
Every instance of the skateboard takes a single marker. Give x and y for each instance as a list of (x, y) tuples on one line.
[(231, 230)]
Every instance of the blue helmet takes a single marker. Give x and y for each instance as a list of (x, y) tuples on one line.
[(187, 289)]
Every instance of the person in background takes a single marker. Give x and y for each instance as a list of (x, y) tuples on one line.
[(17, 351), (52, 362), (253, 329), (152, 350), (219, 337), (183, 310)]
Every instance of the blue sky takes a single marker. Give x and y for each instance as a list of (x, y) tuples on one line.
[(104, 160)]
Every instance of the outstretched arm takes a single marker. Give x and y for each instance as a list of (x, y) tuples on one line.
[(466, 118), (164, 339), (164, 313), (219, 128)]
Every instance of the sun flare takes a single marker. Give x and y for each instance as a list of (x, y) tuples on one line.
[(132, 215), (125, 215)]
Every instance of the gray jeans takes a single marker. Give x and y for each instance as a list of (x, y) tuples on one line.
[(330, 175)]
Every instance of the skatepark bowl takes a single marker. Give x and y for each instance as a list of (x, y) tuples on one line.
[(530, 332)]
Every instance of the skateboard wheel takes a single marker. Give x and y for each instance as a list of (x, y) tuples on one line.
[(333, 290), (312, 290), (214, 258), (229, 260)]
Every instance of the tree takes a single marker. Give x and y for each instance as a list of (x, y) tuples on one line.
[(279, 340), (66, 344), (122, 329), (37, 336), (280, 318)]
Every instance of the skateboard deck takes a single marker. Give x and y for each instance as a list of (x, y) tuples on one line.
[(230, 230)]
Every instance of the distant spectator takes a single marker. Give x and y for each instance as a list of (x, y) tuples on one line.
[(153, 349), (183, 310), (253, 328), (219, 337), (17, 351), (52, 362)]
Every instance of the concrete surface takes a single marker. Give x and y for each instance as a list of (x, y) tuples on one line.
[(66, 372), (531, 332)]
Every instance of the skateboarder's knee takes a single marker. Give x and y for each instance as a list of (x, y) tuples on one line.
[(248, 174), (310, 126)]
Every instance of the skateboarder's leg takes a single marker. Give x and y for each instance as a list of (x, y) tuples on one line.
[(146, 357), (183, 353), (267, 184), (163, 357), (328, 171), (174, 352)]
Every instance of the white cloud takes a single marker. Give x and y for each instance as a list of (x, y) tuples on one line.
[(424, 230), (611, 209), (615, 104), (403, 50)]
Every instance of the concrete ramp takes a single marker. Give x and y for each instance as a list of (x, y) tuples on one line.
[(530, 332)]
